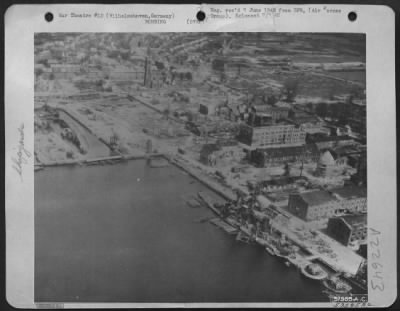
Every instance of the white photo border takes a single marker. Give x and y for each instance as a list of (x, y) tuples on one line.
[(377, 22)]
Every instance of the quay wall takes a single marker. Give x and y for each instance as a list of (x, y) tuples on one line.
[(101, 160), (225, 192)]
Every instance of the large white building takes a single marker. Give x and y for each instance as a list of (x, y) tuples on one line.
[(274, 135)]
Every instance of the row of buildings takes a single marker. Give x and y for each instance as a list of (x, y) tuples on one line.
[(273, 139), (272, 136), (320, 204), (341, 211)]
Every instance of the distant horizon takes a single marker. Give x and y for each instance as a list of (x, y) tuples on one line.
[(353, 40)]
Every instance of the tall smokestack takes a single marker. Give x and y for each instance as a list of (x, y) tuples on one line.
[(145, 72)]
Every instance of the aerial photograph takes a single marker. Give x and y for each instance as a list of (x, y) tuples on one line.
[(200, 167)]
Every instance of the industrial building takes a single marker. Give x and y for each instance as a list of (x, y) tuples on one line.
[(313, 205), (274, 135), (349, 229), (323, 204), (278, 156), (351, 198)]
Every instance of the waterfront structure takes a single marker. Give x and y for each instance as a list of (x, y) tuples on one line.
[(274, 135), (313, 205), (351, 198), (278, 156), (349, 229)]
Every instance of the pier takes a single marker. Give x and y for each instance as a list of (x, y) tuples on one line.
[(224, 192), (102, 160), (244, 233)]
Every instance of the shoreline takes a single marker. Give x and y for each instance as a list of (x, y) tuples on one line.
[(222, 191)]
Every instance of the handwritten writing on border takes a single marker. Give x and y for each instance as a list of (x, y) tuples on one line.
[(22, 155), (377, 282)]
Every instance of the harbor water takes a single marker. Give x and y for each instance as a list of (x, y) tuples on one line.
[(124, 233)]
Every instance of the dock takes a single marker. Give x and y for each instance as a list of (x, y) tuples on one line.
[(208, 202), (141, 156), (213, 185), (104, 160), (38, 168), (223, 225)]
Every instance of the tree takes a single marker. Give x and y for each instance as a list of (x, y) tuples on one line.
[(290, 88)]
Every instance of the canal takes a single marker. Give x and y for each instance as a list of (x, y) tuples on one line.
[(124, 233)]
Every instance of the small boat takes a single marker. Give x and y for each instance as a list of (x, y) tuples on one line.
[(362, 284), (208, 201), (203, 220), (270, 250), (314, 271), (336, 285), (287, 263), (223, 225), (193, 203), (242, 238)]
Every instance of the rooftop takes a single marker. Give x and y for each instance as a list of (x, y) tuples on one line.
[(284, 180), (351, 192), (271, 124), (210, 148), (326, 158), (317, 197), (305, 119), (355, 220), (289, 150), (324, 138), (266, 108), (346, 150)]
